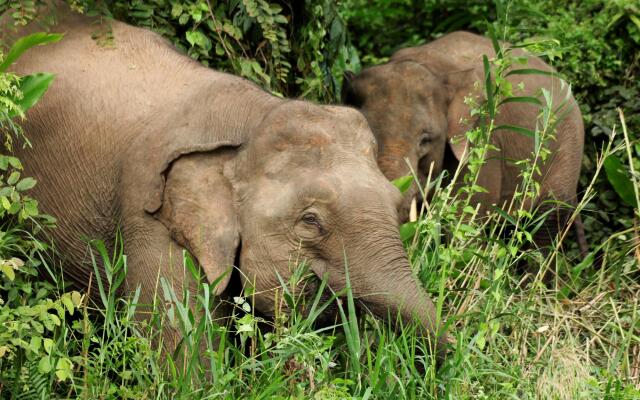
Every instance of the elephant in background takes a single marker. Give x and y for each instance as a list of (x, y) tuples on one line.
[(415, 106), (180, 156)]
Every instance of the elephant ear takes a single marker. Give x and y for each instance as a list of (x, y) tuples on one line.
[(349, 93), (160, 180), (460, 84), (198, 210), (162, 151)]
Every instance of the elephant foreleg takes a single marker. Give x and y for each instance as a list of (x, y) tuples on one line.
[(156, 266)]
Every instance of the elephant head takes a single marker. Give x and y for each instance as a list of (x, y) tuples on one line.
[(304, 186), (414, 114)]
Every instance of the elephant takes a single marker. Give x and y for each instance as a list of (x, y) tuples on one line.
[(415, 106), (137, 138)]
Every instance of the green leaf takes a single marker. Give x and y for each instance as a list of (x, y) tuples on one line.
[(530, 71), (176, 10), (54, 318), (64, 369), (25, 43), (35, 343), (44, 366), (184, 18), (494, 40), (521, 99), (13, 178), (198, 38), (585, 263), (8, 271), (31, 207), (33, 87), (635, 20), (25, 184), (6, 204), (488, 83), (48, 345), (15, 207), (68, 303), (504, 214), (76, 297), (403, 183), (620, 180), (518, 129), (408, 230), (219, 49), (15, 162)]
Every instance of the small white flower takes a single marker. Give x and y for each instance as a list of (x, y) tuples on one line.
[(17, 263), (542, 329)]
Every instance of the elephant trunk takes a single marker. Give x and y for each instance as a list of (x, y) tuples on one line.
[(388, 288)]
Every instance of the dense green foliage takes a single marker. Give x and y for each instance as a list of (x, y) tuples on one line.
[(515, 336), (289, 49)]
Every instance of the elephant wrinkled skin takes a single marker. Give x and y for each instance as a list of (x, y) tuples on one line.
[(179, 156), (415, 106)]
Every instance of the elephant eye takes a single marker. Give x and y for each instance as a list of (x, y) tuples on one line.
[(310, 219), (426, 138), (309, 227)]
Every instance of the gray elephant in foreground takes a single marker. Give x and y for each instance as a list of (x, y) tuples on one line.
[(140, 137), (415, 106)]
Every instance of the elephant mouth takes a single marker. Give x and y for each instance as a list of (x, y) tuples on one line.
[(304, 299), (318, 304), (321, 310), (311, 299)]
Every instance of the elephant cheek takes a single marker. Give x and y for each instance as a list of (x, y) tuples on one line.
[(259, 278), (391, 159)]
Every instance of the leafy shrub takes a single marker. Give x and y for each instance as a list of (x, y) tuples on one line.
[(380, 27), (288, 48)]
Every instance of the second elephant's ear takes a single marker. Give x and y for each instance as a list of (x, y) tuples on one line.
[(198, 210), (460, 85)]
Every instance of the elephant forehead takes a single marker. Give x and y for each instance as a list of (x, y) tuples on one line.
[(398, 83), (297, 124), (273, 197), (322, 183), (304, 139), (316, 151), (322, 189)]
